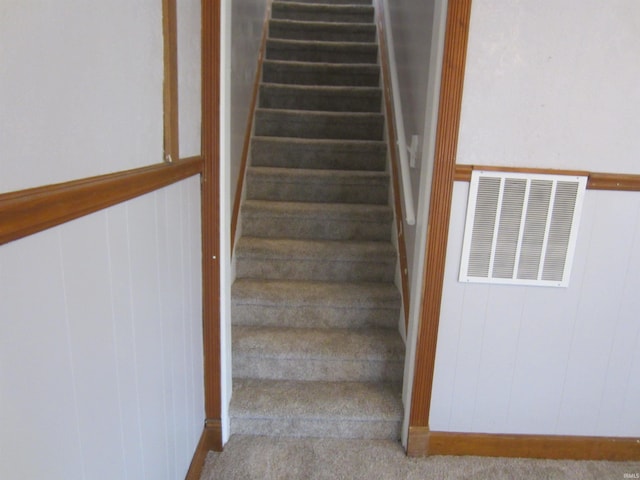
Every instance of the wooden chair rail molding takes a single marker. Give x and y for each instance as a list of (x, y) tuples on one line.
[(29, 211), (597, 180)]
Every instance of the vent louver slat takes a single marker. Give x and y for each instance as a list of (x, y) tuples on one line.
[(521, 228)]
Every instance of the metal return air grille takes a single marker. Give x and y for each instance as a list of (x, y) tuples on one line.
[(521, 228)]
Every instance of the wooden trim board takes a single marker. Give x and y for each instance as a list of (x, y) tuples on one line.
[(210, 440), (395, 171), (211, 209), (596, 181), (423, 442), (29, 211), (453, 66), (170, 87)]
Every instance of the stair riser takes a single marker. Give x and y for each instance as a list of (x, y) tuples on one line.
[(310, 99), (315, 270), (300, 427), (322, 32), (336, 75), (300, 125), (315, 316), (267, 153), (304, 369), (321, 13), (305, 228), (258, 189), (326, 53)]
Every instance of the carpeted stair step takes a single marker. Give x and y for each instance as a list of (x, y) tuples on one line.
[(326, 31), (283, 303), (317, 12), (312, 185), (318, 154), (318, 354), (329, 125), (308, 73), (325, 98), (318, 260), (332, 2), (323, 52), (316, 221), (316, 409)]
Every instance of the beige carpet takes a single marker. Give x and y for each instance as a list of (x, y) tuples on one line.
[(264, 458)]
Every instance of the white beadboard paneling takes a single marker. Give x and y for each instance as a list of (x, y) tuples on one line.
[(497, 359), (85, 267), (604, 278), (125, 335), (148, 335), (445, 375), (194, 310), (101, 365), (535, 360), (38, 409), (471, 330)]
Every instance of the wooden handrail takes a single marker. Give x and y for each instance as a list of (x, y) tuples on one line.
[(29, 211)]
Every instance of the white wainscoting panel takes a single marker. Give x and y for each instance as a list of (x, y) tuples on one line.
[(101, 343), (536, 360)]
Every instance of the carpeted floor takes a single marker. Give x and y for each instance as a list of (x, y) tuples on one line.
[(265, 458)]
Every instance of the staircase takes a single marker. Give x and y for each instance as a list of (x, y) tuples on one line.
[(316, 348)]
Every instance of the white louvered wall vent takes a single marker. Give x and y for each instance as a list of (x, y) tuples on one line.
[(521, 228)]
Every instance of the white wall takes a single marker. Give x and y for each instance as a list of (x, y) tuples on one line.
[(553, 84), (412, 38), (241, 34), (549, 84), (101, 343), (189, 76), (247, 20), (75, 76), (538, 360), (101, 370)]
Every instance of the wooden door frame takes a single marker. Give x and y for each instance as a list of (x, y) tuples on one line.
[(450, 106)]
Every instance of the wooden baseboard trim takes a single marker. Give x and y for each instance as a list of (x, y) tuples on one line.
[(210, 440), (596, 180), (423, 442), (29, 211)]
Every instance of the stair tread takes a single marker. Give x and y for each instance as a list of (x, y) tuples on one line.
[(364, 401), (324, 6), (313, 113), (323, 44), (327, 211), (323, 23), (327, 344), (308, 293), (349, 177), (331, 2), (329, 250), (346, 143), (370, 67), (346, 89)]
